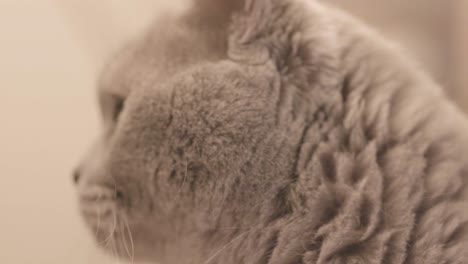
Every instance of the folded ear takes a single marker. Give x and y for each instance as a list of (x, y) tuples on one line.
[(225, 9), (259, 31), (241, 20)]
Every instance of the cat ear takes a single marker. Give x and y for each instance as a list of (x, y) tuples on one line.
[(240, 20), (252, 26), (247, 28), (225, 9)]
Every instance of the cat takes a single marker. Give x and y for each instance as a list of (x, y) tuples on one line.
[(279, 132)]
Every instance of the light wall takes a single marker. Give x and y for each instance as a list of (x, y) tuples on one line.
[(50, 52)]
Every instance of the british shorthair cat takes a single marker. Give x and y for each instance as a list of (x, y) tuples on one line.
[(274, 132)]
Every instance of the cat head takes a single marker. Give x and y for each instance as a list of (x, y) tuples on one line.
[(194, 139)]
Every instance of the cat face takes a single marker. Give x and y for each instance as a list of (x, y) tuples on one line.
[(136, 184), (172, 149), (192, 151)]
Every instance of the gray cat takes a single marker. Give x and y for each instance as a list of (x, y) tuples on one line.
[(279, 132)]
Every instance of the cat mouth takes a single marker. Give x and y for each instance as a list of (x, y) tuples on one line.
[(100, 209)]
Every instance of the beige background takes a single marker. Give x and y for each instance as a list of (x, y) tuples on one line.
[(50, 52)]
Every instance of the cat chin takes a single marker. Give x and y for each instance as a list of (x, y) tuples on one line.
[(124, 238), (139, 242), (131, 249), (114, 236), (121, 251)]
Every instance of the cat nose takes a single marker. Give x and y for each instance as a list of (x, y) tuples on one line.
[(76, 176)]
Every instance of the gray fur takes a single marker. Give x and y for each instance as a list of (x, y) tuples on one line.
[(290, 133)]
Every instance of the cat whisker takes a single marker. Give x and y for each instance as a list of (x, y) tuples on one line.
[(112, 232), (115, 250), (109, 244), (129, 232), (114, 226), (123, 239), (112, 240), (98, 211), (124, 230), (184, 180), (226, 246)]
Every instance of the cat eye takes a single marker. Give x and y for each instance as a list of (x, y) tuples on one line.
[(119, 104)]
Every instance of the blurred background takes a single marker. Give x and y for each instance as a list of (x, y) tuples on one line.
[(50, 54)]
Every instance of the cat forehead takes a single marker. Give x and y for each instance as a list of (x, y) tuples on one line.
[(171, 45)]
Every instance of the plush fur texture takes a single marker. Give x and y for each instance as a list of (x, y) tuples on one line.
[(279, 132)]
